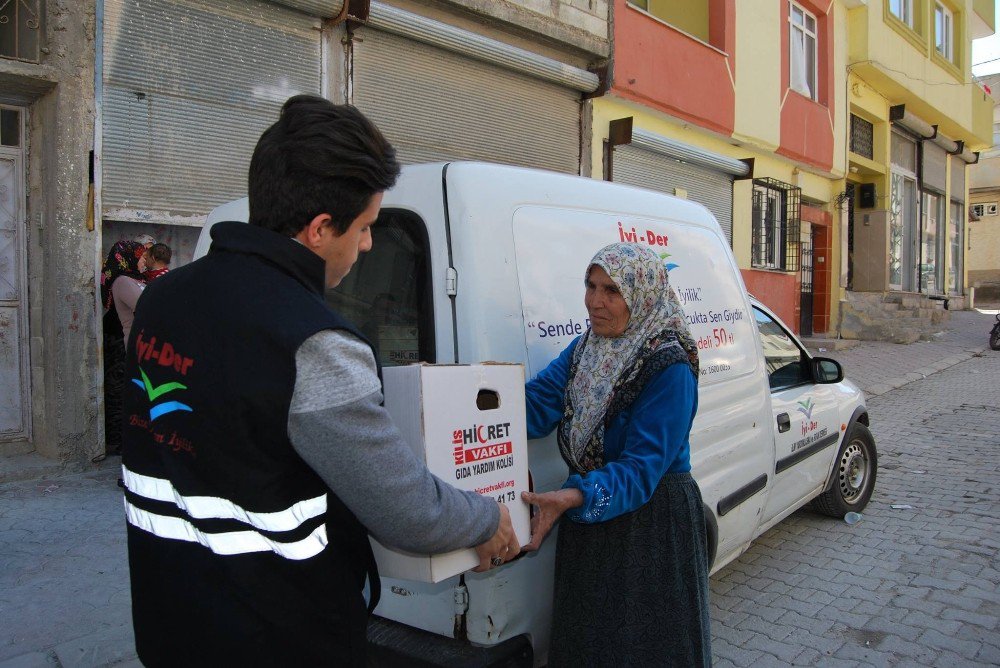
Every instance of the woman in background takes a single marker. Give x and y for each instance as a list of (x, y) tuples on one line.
[(122, 282)]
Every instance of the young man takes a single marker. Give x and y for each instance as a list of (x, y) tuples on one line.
[(257, 454)]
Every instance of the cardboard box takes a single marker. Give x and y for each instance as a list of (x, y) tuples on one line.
[(449, 415)]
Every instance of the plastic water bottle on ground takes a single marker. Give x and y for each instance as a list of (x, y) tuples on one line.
[(852, 518)]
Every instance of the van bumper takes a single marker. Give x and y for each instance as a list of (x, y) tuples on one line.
[(393, 644)]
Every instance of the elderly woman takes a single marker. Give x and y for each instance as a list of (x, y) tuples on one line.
[(631, 583), (122, 282)]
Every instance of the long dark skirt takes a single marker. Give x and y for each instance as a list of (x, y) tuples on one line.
[(633, 591), (114, 382)]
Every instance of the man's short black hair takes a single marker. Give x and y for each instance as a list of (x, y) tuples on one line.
[(318, 158)]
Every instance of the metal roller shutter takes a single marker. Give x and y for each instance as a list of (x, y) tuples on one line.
[(935, 163), (957, 180), (189, 85), (436, 105), (638, 167)]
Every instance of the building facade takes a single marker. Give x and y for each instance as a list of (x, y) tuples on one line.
[(739, 108), (854, 128), (48, 349), (122, 117), (983, 239), (917, 119)]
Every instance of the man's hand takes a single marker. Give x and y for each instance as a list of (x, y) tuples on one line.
[(551, 506), (502, 547)]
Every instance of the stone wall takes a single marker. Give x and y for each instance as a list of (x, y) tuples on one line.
[(58, 94)]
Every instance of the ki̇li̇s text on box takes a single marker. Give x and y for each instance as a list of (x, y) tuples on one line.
[(467, 423)]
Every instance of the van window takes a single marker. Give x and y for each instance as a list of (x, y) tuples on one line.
[(387, 295), (785, 360)]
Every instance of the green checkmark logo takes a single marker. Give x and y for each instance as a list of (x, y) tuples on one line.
[(156, 392)]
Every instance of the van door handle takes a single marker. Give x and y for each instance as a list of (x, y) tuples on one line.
[(784, 424)]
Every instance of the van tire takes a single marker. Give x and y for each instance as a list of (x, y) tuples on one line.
[(854, 473), (711, 535)]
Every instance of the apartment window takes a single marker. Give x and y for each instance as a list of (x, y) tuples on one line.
[(944, 30), (690, 16), (984, 209), (775, 231), (802, 59), (862, 137), (20, 29), (902, 10)]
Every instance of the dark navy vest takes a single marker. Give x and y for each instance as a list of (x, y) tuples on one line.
[(239, 553)]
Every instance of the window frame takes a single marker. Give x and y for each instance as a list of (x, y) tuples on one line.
[(805, 372), (413, 226), (812, 77), (906, 13), (775, 243), (765, 226), (33, 20), (948, 24)]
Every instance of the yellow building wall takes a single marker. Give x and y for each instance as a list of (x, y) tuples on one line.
[(758, 76), (982, 259), (691, 16)]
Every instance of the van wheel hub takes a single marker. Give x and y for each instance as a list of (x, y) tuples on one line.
[(853, 472)]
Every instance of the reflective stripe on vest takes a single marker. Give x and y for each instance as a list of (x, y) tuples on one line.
[(210, 507)]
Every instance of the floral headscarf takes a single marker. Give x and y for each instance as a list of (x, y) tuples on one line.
[(601, 364), (123, 260)]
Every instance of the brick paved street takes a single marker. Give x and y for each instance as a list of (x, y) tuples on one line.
[(912, 586), (903, 587)]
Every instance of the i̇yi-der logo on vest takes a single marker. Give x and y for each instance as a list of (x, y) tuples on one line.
[(159, 357)]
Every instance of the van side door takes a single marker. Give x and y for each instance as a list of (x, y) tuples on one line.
[(398, 296), (806, 420)]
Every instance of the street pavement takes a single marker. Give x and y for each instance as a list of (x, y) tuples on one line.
[(906, 586)]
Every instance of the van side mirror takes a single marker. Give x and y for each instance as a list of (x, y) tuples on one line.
[(826, 370)]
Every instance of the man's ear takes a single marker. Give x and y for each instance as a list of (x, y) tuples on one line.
[(312, 234)]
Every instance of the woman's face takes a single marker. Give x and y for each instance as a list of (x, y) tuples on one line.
[(609, 314)]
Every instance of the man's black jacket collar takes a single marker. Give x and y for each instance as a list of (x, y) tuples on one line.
[(286, 253)]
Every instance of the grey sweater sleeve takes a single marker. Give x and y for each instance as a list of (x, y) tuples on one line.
[(337, 425)]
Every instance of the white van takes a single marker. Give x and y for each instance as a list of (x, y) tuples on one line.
[(475, 262)]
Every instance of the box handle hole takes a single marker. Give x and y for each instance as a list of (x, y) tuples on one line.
[(487, 400)]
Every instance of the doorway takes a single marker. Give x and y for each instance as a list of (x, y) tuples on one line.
[(806, 284), (15, 408)]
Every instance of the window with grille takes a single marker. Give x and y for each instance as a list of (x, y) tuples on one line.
[(984, 209), (862, 137), (20, 29), (776, 240)]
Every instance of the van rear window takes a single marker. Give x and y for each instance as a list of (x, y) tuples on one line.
[(387, 294)]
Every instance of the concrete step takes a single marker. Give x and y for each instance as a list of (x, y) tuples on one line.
[(16, 448), (29, 466), (822, 344)]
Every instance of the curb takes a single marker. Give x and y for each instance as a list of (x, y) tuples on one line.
[(920, 374)]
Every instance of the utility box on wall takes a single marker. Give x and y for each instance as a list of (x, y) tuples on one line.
[(866, 196)]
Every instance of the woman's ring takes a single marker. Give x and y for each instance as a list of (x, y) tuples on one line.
[(496, 561)]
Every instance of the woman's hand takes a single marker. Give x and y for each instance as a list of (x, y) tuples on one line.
[(551, 506)]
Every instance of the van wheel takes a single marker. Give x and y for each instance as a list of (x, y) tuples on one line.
[(853, 475)]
